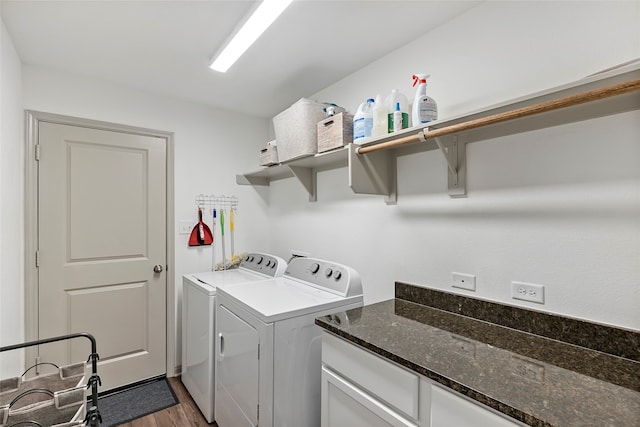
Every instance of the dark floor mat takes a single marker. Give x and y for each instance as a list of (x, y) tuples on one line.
[(136, 402)]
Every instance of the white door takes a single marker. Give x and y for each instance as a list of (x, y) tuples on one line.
[(237, 371), (101, 233)]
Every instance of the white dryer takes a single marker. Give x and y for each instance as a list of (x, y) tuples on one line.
[(268, 361), (198, 316)]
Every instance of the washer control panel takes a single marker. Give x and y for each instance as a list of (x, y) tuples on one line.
[(326, 275), (271, 265)]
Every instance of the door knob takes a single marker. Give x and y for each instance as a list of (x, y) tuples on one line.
[(157, 269)]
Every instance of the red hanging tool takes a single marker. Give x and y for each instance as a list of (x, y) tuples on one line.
[(201, 233)]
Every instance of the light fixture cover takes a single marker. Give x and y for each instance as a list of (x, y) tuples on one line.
[(258, 22)]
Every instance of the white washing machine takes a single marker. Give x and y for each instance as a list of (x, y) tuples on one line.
[(198, 317), (268, 361)]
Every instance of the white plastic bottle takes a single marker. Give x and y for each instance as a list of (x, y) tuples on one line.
[(397, 118), (424, 108), (394, 98), (358, 123), (363, 120), (380, 120), (368, 117)]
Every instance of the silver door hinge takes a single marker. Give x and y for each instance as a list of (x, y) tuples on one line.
[(258, 351), (37, 153), (37, 259), (258, 416)]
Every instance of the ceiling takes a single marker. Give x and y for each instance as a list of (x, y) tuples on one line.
[(166, 46)]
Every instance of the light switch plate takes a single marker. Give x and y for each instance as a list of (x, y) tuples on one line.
[(184, 227)]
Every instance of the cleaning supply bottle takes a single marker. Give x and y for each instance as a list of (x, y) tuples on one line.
[(424, 108), (394, 98), (363, 120), (380, 125), (368, 117), (397, 118)]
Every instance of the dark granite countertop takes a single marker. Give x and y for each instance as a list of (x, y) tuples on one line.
[(538, 380)]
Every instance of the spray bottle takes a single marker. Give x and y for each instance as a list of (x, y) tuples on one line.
[(425, 108)]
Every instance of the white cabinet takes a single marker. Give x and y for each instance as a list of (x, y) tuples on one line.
[(361, 389)]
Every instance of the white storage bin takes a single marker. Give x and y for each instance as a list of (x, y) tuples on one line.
[(296, 129), (268, 156), (335, 131)]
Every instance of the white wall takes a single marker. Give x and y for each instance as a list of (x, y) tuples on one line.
[(11, 200), (211, 146), (558, 207)]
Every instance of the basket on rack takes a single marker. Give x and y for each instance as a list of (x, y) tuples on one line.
[(57, 399)]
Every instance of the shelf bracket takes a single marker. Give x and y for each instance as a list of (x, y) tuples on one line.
[(454, 153), (308, 178), (251, 180), (373, 173)]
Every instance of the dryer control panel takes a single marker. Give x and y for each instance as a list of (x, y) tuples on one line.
[(270, 265), (326, 275)]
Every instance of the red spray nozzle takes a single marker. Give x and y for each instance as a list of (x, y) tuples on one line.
[(419, 78)]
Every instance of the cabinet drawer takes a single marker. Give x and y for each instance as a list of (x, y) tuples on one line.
[(390, 383), (347, 405), (449, 409)]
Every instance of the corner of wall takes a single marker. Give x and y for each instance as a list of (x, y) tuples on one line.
[(11, 201)]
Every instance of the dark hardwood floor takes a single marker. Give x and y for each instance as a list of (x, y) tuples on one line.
[(184, 414)]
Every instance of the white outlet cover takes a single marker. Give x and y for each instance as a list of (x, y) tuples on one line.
[(527, 292), (464, 281)]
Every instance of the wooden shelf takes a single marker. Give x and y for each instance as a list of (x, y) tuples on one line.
[(523, 114), (373, 171)]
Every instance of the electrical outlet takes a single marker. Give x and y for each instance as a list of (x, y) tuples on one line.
[(184, 227), (464, 281), (527, 292)]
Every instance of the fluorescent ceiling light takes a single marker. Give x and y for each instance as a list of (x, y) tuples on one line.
[(257, 23)]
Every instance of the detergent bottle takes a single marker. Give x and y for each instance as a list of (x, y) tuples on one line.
[(363, 120), (380, 126), (424, 108), (394, 98)]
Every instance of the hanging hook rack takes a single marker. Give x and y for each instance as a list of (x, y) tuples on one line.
[(224, 205), (211, 200)]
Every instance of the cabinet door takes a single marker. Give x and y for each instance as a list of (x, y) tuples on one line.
[(344, 404)]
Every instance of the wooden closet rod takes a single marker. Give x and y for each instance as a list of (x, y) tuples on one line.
[(543, 107)]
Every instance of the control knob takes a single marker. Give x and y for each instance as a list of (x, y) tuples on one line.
[(315, 267)]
